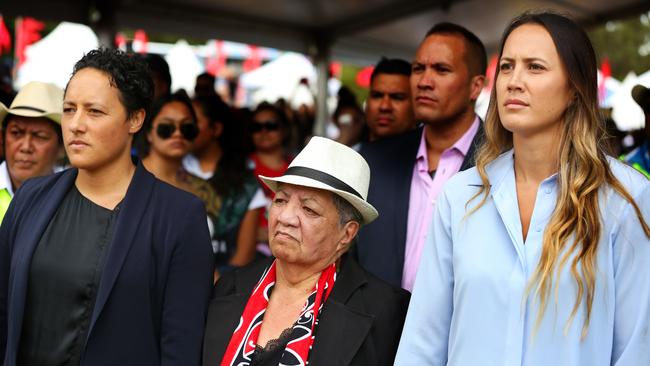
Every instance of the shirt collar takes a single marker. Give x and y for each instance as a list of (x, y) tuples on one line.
[(5, 181), (462, 145)]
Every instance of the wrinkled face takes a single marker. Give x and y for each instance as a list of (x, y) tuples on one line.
[(532, 86), (267, 131), (96, 130), (31, 147), (304, 227), (389, 109), (173, 116), (441, 87)]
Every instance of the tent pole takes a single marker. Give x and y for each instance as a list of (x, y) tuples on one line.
[(102, 20), (321, 60)]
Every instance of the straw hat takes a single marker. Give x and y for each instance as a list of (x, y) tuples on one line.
[(334, 167), (36, 99)]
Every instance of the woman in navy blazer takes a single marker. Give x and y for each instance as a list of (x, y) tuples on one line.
[(146, 302)]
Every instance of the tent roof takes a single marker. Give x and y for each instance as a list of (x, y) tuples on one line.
[(357, 30)]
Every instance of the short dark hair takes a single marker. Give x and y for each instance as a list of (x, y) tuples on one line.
[(476, 57), (208, 76), (127, 72), (159, 66), (215, 109), (346, 211), (391, 66)]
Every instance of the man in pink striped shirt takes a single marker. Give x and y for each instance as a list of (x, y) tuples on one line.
[(409, 171)]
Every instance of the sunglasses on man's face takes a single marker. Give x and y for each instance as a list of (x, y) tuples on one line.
[(266, 125), (188, 130)]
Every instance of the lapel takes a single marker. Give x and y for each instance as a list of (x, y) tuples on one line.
[(342, 329), (403, 185), (470, 157), (31, 230), (339, 321), (134, 207), (224, 312)]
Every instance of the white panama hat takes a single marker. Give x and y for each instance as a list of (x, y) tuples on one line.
[(326, 164), (36, 99)]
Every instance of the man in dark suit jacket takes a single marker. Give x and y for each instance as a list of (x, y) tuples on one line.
[(408, 170), (152, 298)]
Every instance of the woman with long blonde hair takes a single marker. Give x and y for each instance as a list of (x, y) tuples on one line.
[(540, 255)]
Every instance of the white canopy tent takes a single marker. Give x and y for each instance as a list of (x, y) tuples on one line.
[(52, 58), (184, 66), (627, 114), (280, 78)]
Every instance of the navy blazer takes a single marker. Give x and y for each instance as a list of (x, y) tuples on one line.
[(381, 244), (360, 324), (153, 294)]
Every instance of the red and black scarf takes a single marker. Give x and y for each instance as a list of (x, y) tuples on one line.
[(242, 343)]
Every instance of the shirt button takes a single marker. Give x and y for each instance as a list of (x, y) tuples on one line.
[(538, 229), (547, 191)]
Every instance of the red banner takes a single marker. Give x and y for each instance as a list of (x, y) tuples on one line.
[(27, 32), (5, 37)]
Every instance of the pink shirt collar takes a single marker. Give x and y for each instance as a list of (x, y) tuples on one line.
[(462, 145)]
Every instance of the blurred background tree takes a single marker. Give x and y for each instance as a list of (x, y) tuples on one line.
[(625, 43)]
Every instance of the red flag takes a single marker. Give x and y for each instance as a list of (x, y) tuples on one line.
[(606, 71), (491, 72), (27, 32), (5, 37), (217, 62), (335, 69), (120, 41), (363, 76), (254, 59), (140, 41)]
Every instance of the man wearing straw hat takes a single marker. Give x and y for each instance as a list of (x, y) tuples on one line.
[(32, 137)]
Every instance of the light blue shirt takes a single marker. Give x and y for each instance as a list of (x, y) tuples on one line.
[(468, 305)]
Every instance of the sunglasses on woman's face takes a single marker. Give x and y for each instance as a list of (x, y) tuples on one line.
[(188, 130), (266, 125)]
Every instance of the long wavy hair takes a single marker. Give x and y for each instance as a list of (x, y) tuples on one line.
[(574, 229)]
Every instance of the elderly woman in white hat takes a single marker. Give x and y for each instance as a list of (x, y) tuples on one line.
[(31, 130), (310, 303)]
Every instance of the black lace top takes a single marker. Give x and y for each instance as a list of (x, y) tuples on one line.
[(270, 354)]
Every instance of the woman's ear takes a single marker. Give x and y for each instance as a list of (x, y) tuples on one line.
[(136, 121), (350, 230)]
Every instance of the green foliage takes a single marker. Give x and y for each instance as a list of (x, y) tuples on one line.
[(626, 43), (349, 79)]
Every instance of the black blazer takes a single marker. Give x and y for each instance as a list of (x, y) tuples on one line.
[(381, 244), (360, 324), (153, 294)]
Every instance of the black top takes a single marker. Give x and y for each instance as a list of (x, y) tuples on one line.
[(271, 354), (63, 280)]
